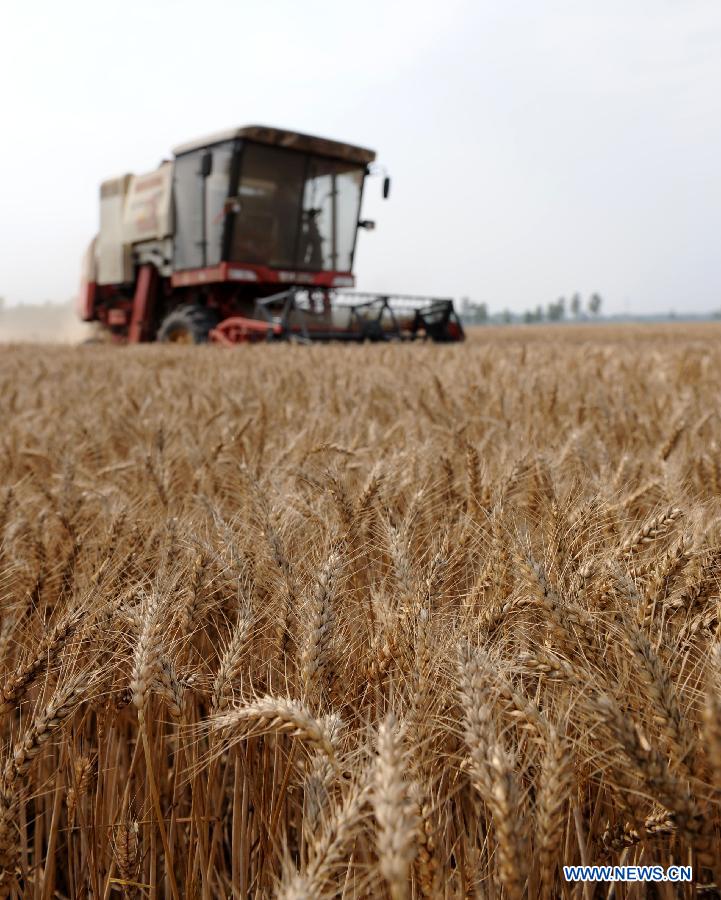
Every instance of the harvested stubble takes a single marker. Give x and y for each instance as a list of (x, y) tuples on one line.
[(360, 621)]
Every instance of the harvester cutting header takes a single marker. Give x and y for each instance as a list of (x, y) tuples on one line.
[(248, 234)]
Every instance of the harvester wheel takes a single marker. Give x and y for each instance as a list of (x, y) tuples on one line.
[(188, 324)]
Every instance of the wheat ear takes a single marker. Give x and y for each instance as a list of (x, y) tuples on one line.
[(315, 654), (555, 789), (395, 811), (16, 685), (230, 662), (281, 715)]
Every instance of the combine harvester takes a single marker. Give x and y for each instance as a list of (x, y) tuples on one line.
[(246, 235)]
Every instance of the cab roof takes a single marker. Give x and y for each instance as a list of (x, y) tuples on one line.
[(278, 137)]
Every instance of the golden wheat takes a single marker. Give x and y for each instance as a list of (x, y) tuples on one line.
[(360, 622)]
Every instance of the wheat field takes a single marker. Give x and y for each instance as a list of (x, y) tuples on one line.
[(361, 622)]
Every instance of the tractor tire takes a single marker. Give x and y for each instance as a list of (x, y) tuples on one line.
[(188, 324)]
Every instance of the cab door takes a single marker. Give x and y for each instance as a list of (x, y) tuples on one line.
[(200, 190)]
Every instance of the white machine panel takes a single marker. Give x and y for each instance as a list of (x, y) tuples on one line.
[(113, 258), (147, 213)]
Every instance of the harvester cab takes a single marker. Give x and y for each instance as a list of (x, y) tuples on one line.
[(248, 234)]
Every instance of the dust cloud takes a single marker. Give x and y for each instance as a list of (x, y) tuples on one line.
[(55, 323)]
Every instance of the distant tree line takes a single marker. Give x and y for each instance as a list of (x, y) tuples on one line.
[(556, 311)]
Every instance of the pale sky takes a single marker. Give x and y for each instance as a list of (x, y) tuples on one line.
[(537, 147)]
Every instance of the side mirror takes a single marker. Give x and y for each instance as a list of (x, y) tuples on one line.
[(368, 224), (386, 187), (206, 164)]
